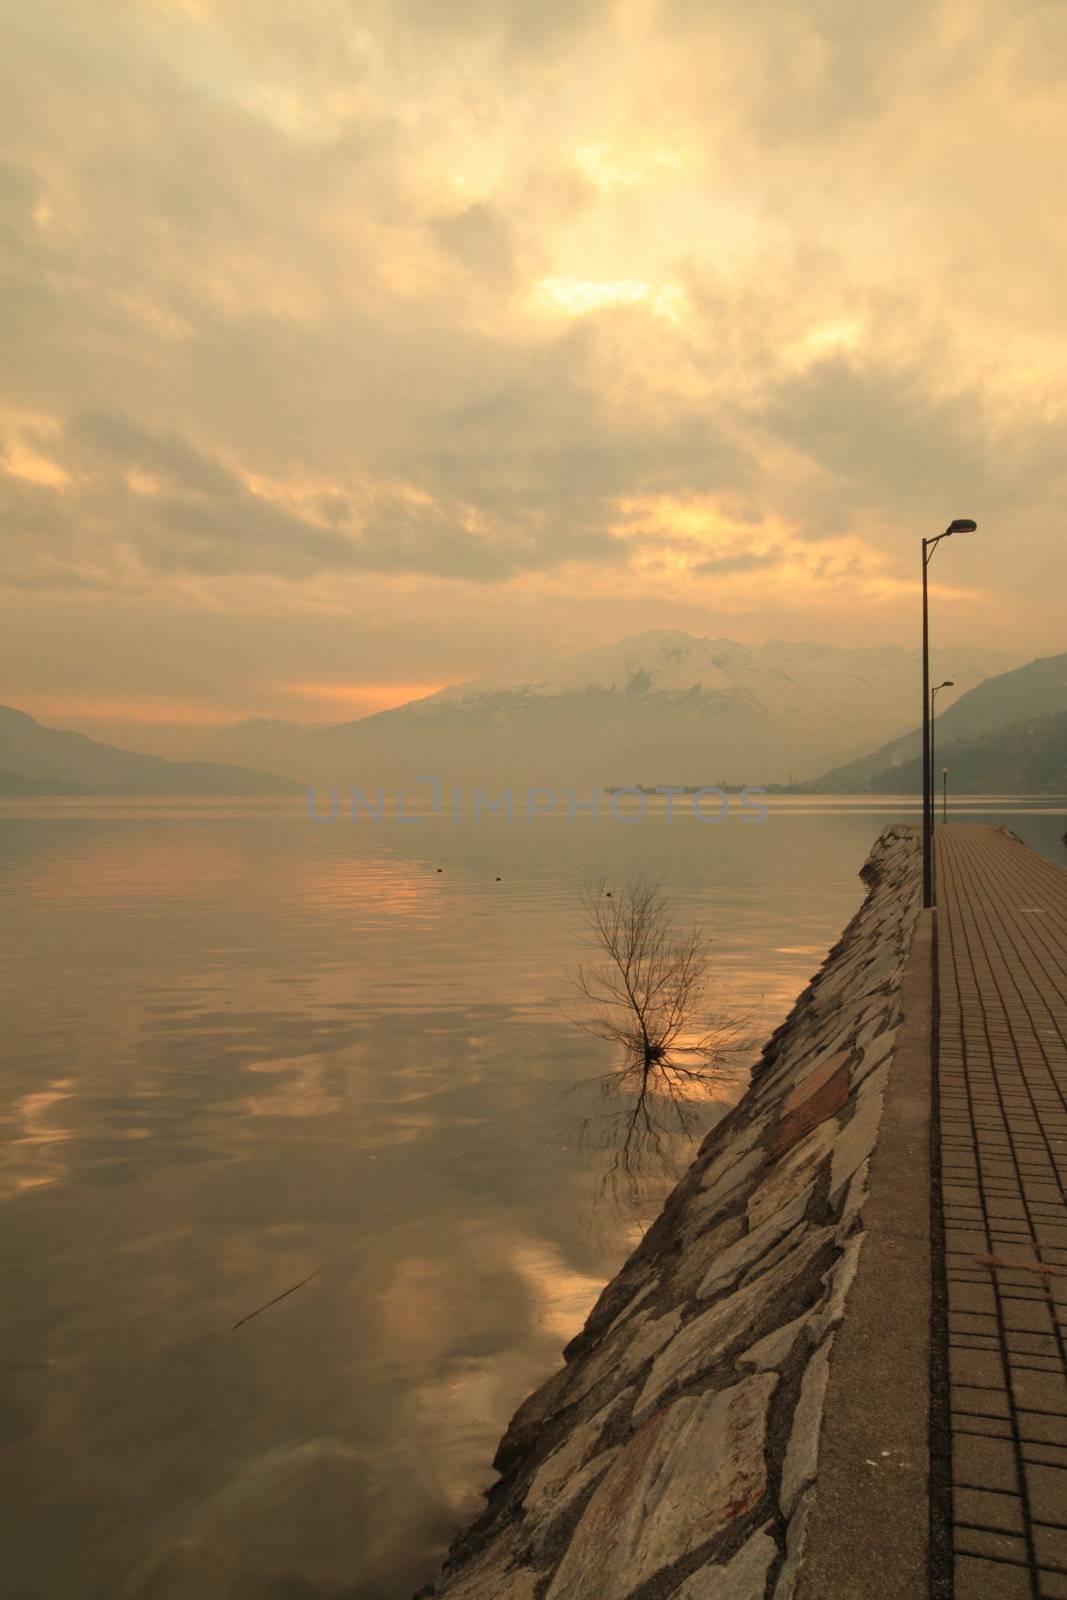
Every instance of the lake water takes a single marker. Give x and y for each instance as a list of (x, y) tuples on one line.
[(245, 1051)]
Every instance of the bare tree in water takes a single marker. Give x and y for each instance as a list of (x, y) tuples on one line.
[(646, 988)]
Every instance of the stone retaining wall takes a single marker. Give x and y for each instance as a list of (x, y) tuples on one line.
[(674, 1454)]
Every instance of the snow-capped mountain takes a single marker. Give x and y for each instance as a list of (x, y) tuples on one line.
[(810, 680), (659, 707)]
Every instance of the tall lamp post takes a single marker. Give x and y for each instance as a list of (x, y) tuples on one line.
[(960, 525), (948, 684)]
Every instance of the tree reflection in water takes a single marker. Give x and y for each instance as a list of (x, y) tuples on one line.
[(646, 986)]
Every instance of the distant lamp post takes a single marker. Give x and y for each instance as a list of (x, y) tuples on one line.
[(960, 525), (944, 794), (948, 684)]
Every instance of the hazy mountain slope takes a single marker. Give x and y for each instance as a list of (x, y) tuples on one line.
[(31, 751), (1025, 758), (779, 675), (13, 783), (660, 707), (1020, 695), (1034, 690), (854, 777), (271, 744)]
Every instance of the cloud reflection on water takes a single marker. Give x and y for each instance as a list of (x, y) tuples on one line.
[(245, 1050)]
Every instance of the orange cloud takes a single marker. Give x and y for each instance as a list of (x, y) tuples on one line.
[(130, 708), (362, 697)]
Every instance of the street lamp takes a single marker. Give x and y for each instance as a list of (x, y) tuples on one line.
[(960, 525), (948, 684)]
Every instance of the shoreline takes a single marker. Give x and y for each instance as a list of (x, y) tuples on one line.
[(675, 1451)]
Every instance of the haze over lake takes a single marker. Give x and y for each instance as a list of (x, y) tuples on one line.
[(250, 1053)]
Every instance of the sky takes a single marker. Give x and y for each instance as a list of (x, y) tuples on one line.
[(356, 347)]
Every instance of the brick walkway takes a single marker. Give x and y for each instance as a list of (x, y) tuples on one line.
[(1002, 987)]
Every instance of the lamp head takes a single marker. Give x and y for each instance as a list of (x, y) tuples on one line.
[(962, 525)]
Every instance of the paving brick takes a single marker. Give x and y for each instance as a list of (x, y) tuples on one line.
[(984, 1463), (967, 1241), (1020, 1316), (996, 1546), (986, 1428), (974, 1298), (1002, 983), (1047, 1493), (1050, 1547), (982, 1508), (973, 1322), (979, 1402), (980, 1368), (976, 1579), (1036, 1391), (1041, 1428), (1034, 1344)]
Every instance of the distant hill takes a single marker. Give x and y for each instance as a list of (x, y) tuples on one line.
[(13, 783), (664, 706), (271, 744), (1019, 696), (1025, 758), (53, 761)]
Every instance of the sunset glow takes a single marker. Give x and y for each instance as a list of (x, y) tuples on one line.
[(330, 342)]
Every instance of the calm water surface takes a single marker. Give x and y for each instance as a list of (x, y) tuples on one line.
[(244, 1051)]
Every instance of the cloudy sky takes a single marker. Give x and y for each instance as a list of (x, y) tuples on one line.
[(353, 347)]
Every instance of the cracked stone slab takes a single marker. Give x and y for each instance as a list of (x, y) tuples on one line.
[(838, 1281), (742, 1578), (802, 1452), (702, 1340), (624, 1353), (791, 1172), (880, 1054), (553, 1480), (531, 1415), (853, 1202), (813, 1081), (784, 1247), (771, 1352), (732, 1179), (542, 1517), (816, 1098), (796, 1533), (493, 1575), (740, 1142), (687, 1475), (801, 1056), (859, 1135), (630, 1308), (700, 1256), (735, 1261)]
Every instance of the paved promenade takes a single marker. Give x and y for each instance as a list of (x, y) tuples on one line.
[(1002, 987)]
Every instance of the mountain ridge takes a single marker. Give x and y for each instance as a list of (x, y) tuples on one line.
[(663, 705), (42, 757), (1024, 758), (1021, 694), (675, 661), (663, 700)]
